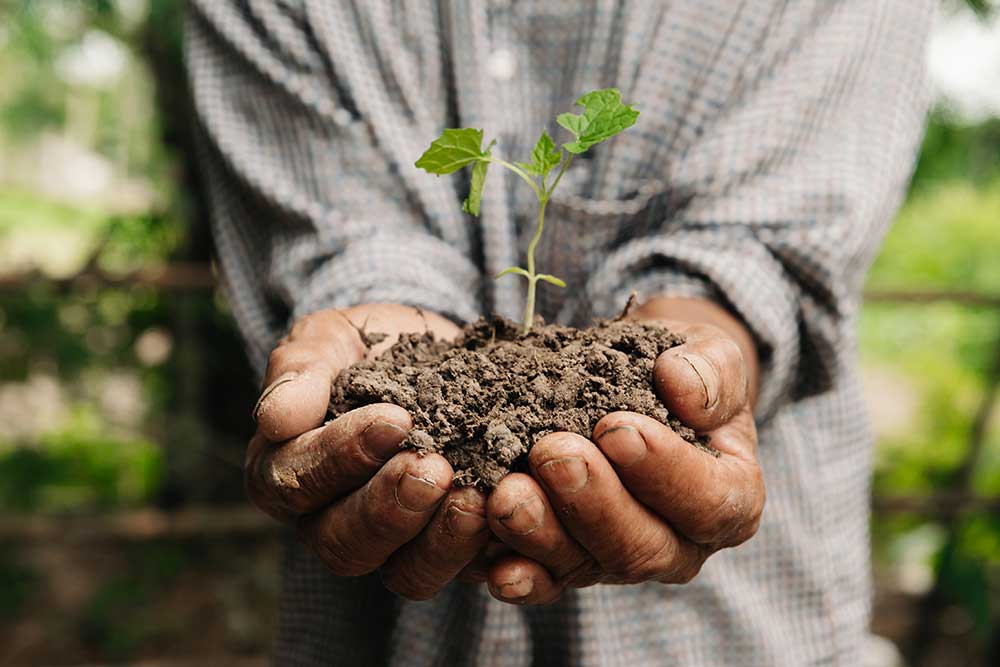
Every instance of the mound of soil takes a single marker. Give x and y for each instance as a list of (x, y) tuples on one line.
[(484, 399)]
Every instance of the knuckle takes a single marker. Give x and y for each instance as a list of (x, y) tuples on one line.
[(648, 560), (703, 331), (263, 495), (295, 502), (733, 518), (585, 573), (340, 558), (685, 572), (311, 324), (408, 579), (277, 489), (381, 521), (278, 358)]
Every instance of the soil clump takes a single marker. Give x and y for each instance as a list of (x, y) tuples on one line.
[(483, 400)]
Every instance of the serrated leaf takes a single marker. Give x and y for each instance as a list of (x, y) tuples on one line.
[(527, 167), (558, 282), (572, 122), (517, 270), (454, 149), (544, 156), (603, 117)]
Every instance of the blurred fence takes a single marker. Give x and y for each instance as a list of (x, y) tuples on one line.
[(947, 503)]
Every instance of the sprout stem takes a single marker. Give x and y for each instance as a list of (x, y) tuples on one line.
[(529, 306), (517, 170), (543, 195)]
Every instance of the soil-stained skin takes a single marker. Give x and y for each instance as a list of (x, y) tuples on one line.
[(484, 399)]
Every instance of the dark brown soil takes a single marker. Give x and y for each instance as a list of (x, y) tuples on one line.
[(484, 399)]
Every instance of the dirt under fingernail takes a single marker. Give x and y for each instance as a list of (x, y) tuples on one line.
[(484, 399), (416, 493), (382, 439), (526, 517)]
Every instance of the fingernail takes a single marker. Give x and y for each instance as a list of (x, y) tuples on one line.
[(464, 524), (623, 445), (516, 589), (381, 439), (709, 377), (568, 474), (416, 493), (526, 516), (280, 380)]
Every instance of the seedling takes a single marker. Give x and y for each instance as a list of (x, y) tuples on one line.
[(604, 115)]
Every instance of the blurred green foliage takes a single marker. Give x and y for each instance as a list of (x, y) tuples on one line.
[(78, 467), (140, 371), (946, 237)]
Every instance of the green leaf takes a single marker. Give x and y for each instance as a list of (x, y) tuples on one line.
[(453, 150), (558, 282), (513, 269), (475, 198), (544, 156), (603, 117)]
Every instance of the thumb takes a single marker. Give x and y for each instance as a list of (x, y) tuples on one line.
[(704, 381), (301, 370)]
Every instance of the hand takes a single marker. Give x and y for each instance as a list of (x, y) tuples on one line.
[(638, 503), (356, 500)]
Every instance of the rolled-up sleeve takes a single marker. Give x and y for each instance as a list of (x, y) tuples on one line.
[(308, 211), (790, 187)]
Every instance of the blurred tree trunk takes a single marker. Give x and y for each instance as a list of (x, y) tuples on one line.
[(207, 427)]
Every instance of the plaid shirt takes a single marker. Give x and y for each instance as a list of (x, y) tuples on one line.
[(775, 143)]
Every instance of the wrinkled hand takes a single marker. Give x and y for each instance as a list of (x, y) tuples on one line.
[(637, 503), (358, 501)]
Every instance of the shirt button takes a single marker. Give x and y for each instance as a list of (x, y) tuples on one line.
[(501, 65)]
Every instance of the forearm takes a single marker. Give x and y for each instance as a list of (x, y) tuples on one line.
[(703, 311)]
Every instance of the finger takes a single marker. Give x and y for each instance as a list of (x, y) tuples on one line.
[(628, 541), (300, 371), (322, 465), (704, 381), (357, 534), (454, 537), (522, 517), (519, 580), (714, 501)]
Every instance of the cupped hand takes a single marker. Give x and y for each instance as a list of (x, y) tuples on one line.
[(636, 502), (358, 501)]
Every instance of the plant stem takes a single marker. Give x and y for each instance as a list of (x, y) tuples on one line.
[(543, 195), (517, 170), (529, 306)]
